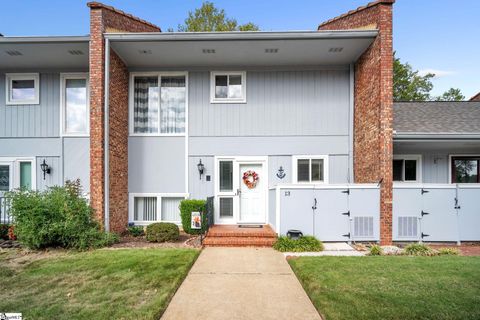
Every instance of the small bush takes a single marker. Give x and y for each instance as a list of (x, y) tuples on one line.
[(186, 209), (4, 231), (303, 244), (448, 252), (375, 250), (419, 249), (135, 231), (162, 232), (57, 217)]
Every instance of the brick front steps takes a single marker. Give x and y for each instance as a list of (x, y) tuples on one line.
[(234, 236)]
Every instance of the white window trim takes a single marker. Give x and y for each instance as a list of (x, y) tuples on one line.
[(131, 102), (418, 158), (159, 197), (243, 74), (326, 172), (15, 170), (9, 77), (450, 156), (63, 78)]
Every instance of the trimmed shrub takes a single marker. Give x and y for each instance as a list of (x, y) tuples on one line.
[(448, 252), (162, 232), (375, 250), (303, 244), (57, 217), (136, 231), (186, 209), (4, 231), (419, 249)]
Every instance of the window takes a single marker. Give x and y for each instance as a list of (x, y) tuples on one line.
[(151, 207), (406, 168), (159, 104), (310, 169), (465, 169), (22, 88), (228, 87), (75, 104), (25, 175)]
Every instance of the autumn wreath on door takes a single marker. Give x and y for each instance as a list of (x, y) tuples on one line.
[(250, 178)]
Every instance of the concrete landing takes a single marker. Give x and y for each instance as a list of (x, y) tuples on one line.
[(241, 283)]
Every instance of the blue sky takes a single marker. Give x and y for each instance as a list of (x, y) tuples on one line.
[(432, 35)]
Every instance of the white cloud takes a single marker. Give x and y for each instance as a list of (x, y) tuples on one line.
[(436, 72)]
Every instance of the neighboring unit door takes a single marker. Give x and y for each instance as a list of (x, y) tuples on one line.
[(252, 199), (6, 180)]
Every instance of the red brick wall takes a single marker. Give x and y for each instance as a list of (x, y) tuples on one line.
[(373, 116), (107, 19)]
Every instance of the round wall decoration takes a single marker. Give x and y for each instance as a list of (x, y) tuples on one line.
[(250, 178)]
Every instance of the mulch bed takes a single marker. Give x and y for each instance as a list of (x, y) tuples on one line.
[(465, 248), (185, 241)]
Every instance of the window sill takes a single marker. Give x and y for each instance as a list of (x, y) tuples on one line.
[(157, 135), (244, 101), (22, 103)]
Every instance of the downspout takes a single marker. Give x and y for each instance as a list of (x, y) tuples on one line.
[(106, 139), (351, 124)]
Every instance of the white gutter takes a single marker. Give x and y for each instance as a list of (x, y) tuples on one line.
[(435, 136), (351, 124), (106, 139), (240, 35)]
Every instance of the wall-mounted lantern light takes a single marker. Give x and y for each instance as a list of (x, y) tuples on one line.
[(201, 168), (45, 168)]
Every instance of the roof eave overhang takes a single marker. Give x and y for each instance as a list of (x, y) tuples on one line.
[(240, 36), (54, 39)]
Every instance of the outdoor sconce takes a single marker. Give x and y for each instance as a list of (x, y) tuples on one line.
[(201, 168), (45, 168)]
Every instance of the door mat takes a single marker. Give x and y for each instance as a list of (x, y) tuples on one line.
[(256, 226)]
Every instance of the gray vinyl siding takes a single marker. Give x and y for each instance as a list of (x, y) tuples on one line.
[(279, 103), (68, 161), (76, 155), (39, 120), (156, 164), (435, 158), (201, 188)]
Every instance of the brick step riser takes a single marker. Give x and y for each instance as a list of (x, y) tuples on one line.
[(242, 235), (224, 241)]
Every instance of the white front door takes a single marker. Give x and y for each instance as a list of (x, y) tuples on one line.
[(252, 195), (235, 201)]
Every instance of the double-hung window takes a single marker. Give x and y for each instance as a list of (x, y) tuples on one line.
[(310, 169), (75, 104), (228, 87), (159, 103), (407, 168), (22, 88), (465, 169)]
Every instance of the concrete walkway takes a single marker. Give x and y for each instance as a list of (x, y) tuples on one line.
[(241, 283)]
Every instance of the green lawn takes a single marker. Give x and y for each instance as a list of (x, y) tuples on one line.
[(101, 284), (392, 287)]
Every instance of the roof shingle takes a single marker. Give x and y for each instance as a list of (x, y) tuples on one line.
[(461, 117)]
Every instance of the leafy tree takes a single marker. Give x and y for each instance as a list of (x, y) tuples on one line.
[(409, 85), (453, 94), (208, 18)]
